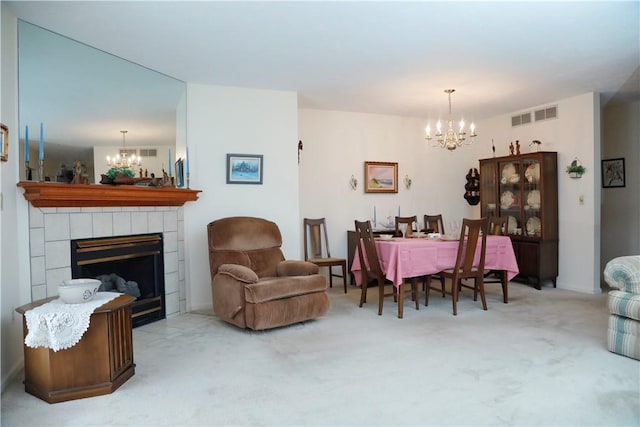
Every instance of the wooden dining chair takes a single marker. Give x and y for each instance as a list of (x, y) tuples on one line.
[(498, 227), (372, 271), (434, 223), (320, 254), (408, 221), (473, 230)]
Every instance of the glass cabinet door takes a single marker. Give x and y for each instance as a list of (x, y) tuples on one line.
[(532, 202), (510, 192)]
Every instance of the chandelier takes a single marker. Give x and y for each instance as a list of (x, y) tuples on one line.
[(450, 139), (123, 159)]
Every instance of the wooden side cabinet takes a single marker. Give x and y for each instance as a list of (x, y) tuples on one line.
[(100, 363), (524, 188)]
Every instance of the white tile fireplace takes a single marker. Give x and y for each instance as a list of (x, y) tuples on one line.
[(52, 229)]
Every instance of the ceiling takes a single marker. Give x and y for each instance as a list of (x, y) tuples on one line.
[(375, 57)]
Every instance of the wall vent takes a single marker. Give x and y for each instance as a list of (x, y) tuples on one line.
[(148, 152), (521, 119), (546, 113)]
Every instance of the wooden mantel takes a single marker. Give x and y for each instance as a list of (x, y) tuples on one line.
[(52, 195)]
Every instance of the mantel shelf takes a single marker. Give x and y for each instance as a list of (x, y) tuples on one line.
[(50, 195)]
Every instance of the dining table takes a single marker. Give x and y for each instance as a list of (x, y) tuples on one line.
[(402, 258)]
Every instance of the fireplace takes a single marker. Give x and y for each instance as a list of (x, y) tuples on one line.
[(131, 264)]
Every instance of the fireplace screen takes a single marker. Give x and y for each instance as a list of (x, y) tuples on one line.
[(129, 264)]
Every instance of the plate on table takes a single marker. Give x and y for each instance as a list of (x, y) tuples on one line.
[(512, 224), (532, 174), (385, 236), (506, 200), (533, 199), (533, 226)]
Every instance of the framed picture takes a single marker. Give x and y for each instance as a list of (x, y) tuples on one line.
[(179, 172), (613, 173), (4, 143), (244, 168), (380, 177)]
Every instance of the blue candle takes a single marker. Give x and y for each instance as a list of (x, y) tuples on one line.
[(169, 165), (398, 210), (374, 216), (41, 151), (26, 144), (187, 156)]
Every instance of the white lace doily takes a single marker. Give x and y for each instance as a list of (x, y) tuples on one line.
[(58, 325)]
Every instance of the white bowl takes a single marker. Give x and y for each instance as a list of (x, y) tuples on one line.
[(76, 291), (386, 236)]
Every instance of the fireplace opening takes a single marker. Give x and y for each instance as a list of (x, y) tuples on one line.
[(129, 264)]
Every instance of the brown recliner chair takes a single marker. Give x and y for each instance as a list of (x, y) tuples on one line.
[(252, 285)]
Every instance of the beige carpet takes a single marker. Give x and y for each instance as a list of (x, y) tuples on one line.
[(539, 360)]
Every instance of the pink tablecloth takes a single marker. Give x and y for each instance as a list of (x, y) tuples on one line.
[(401, 258)]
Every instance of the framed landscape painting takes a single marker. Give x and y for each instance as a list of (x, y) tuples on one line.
[(380, 177), (244, 168)]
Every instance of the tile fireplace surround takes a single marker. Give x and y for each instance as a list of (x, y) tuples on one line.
[(52, 229), (59, 213)]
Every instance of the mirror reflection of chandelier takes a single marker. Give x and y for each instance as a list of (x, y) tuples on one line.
[(450, 139), (124, 159)]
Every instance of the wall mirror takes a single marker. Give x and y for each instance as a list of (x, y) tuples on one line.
[(84, 98)]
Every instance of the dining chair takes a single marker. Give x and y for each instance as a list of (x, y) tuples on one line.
[(408, 221), (371, 270), (314, 250), (434, 223), (465, 268), (498, 227)]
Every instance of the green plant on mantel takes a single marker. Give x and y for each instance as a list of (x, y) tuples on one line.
[(118, 170)]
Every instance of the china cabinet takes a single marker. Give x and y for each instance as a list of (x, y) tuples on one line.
[(524, 188)]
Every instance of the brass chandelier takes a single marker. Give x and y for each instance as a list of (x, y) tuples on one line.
[(451, 139), (123, 159)]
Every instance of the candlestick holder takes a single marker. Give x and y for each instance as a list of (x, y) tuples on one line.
[(188, 181), (41, 170), (27, 171)]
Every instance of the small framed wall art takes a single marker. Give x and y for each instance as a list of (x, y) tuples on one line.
[(613, 173), (380, 177), (4, 143), (244, 168)]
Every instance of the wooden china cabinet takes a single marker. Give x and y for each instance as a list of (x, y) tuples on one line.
[(524, 188)]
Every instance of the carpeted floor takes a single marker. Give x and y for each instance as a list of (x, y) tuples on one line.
[(539, 360)]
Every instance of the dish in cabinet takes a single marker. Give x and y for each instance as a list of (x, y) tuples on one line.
[(533, 226), (506, 200), (512, 224), (532, 174), (533, 199)]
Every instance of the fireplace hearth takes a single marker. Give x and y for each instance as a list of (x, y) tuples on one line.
[(129, 264)]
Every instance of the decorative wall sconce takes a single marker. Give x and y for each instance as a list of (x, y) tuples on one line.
[(407, 182), (354, 182), (299, 150), (575, 169)]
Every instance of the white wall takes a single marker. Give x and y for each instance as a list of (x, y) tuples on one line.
[(14, 265), (222, 120), (575, 133), (336, 144), (621, 206)]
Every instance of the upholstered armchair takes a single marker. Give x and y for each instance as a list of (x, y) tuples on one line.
[(623, 336), (252, 285)]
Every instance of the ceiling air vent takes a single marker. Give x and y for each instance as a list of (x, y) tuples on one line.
[(521, 119), (148, 152), (546, 113)]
